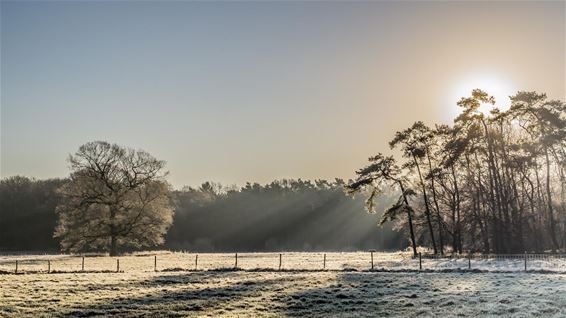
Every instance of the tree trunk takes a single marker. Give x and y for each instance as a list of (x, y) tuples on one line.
[(427, 209), (113, 243), (549, 199), (113, 248), (484, 226), (458, 221), (493, 191), (438, 217), (410, 217)]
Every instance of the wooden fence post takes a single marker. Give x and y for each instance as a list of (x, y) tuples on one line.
[(196, 262), (420, 262), (280, 257), (155, 263), (16, 266), (48, 266), (117, 265), (236, 262), (371, 259), (83, 264), (324, 262), (525, 261), (469, 261)]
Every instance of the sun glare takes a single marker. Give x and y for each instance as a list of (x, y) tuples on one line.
[(493, 85)]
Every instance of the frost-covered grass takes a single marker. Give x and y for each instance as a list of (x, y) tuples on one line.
[(285, 293), (346, 288), (144, 262)]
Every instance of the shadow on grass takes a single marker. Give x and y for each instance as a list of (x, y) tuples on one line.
[(181, 295), (220, 293), (313, 294), (409, 294), (351, 294)]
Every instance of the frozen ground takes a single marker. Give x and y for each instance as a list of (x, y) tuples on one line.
[(345, 289), (276, 294), (289, 261)]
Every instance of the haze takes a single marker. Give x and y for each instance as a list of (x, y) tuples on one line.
[(249, 91)]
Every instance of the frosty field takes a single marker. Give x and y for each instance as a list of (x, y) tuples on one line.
[(164, 260), (346, 289)]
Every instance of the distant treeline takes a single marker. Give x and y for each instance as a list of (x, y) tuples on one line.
[(27, 214), (292, 215)]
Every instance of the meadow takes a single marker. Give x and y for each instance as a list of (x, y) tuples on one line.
[(346, 287)]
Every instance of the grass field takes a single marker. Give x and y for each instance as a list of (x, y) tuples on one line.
[(346, 292)]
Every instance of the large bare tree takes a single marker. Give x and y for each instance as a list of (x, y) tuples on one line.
[(116, 197)]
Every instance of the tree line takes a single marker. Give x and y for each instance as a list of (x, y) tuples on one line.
[(284, 215), (490, 182)]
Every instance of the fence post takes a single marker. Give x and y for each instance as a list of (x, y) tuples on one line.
[(280, 257), (371, 259), (525, 261), (48, 266), (420, 262), (469, 261), (236, 263), (324, 262), (117, 265), (196, 262), (155, 263), (16, 266), (83, 264)]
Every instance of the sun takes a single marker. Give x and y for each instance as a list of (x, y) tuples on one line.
[(491, 84)]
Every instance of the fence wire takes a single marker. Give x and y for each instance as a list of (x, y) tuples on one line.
[(178, 261)]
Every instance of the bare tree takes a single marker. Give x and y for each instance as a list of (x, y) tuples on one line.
[(115, 197), (414, 142), (384, 172)]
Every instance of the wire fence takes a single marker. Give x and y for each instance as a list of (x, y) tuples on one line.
[(288, 261)]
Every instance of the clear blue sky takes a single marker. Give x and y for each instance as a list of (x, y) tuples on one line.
[(250, 91)]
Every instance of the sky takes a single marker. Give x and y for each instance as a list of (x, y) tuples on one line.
[(255, 91)]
